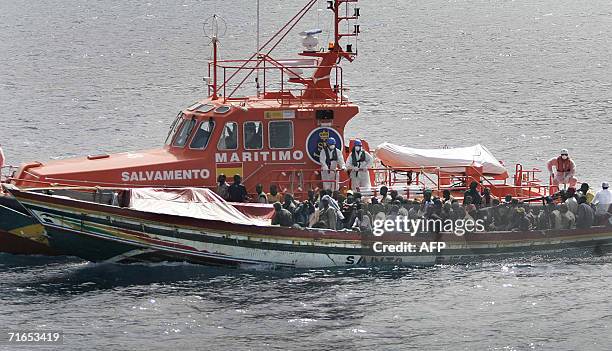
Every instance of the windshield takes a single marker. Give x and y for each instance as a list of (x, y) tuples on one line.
[(184, 132), (173, 128)]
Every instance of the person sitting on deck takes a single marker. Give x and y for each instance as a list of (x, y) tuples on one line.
[(565, 168), (288, 203), (585, 190), (362, 222), (568, 220), (262, 198), (427, 200), (447, 197), (474, 194), (571, 202), (486, 197), (304, 211), (403, 211), (384, 196), (602, 201), (237, 192), (545, 218), (520, 221), (394, 194), (586, 216), (458, 211), (281, 216), (274, 196), (326, 214), (222, 187)]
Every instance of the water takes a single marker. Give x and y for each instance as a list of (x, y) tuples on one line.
[(519, 305), (523, 78)]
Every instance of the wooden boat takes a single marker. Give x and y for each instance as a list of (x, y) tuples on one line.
[(103, 232)]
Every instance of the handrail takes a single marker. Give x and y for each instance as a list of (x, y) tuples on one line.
[(277, 65)]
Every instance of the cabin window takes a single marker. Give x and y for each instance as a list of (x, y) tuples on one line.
[(229, 137), (173, 128), (202, 135), (253, 135), (281, 134), (184, 132)]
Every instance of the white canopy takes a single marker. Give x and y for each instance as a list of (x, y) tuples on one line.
[(396, 156), (189, 202)]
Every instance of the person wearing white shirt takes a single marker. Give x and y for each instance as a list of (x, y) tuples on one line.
[(602, 199)]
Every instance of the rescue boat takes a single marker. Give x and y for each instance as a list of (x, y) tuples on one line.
[(271, 135)]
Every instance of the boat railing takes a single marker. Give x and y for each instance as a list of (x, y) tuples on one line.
[(277, 77), (410, 181)]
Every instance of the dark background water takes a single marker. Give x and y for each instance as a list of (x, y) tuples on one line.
[(523, 78), (518, 305)]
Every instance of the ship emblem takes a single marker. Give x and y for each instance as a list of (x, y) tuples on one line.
[(318, 138)]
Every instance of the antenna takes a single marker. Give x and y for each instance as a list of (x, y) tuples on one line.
[(257, 50), (214, 28)]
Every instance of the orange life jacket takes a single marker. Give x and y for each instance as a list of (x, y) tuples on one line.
[(563, 165)]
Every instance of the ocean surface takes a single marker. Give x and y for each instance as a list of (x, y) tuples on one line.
[(524, 78)]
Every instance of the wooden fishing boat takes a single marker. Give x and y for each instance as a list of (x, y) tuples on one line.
[(106, 232)]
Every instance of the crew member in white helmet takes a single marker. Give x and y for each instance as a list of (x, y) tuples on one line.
[(565, 168), (331, 161), (357, 164)]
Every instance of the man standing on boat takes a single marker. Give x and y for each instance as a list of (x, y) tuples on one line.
[(237, 192), (357, 164), (331, 161), (565, 169)]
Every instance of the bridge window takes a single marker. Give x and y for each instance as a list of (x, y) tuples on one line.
[(184, 132), (253, 135), (229, 137), (281, 134), (173, 128), (202, 135)]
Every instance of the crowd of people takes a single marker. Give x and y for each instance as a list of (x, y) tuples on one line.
[(571, 208)]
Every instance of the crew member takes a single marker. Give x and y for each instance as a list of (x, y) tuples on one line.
[(331, 160), (357, 164), (565, 169)]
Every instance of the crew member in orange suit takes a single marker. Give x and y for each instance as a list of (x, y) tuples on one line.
[(565, 168)]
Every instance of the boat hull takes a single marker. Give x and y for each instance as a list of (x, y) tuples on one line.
[(20, 233), (106, 233)]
